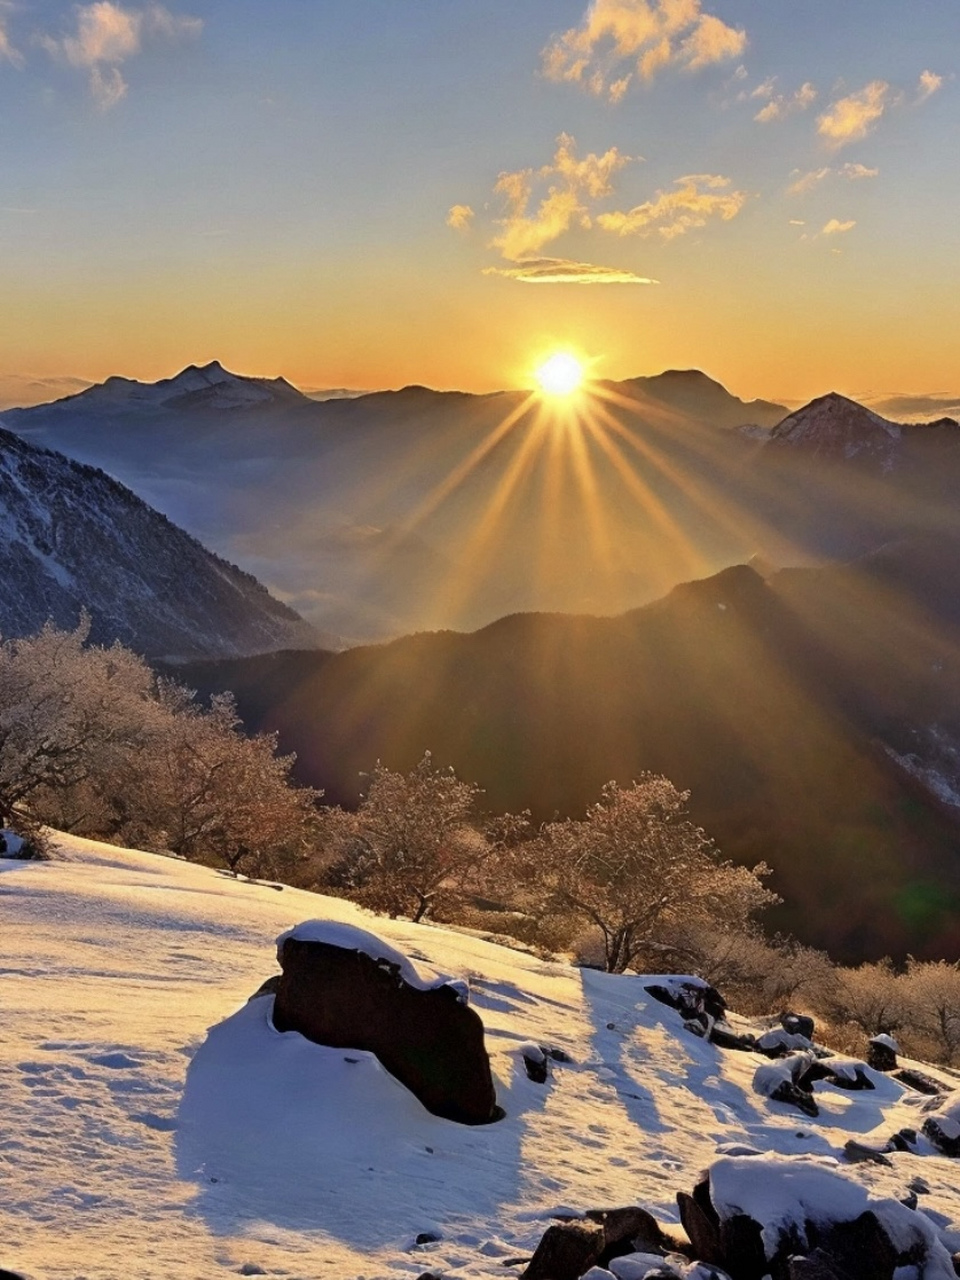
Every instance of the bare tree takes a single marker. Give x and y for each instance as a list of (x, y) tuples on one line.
[(638, 869), (411, 843)]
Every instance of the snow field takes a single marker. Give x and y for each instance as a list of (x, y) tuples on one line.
[(157, 1126)]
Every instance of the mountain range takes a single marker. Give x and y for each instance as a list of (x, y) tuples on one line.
[(399, 511), (72, 539)]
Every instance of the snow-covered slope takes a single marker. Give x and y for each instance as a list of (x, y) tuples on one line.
[(156, 1126), (72, 538)]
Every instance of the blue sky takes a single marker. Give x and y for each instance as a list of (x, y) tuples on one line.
[(272, 185)]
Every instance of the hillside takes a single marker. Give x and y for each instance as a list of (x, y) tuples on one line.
[(812, 716), (73, 539), (157, 1132)]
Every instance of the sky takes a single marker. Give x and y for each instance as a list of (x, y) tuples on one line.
[(445, 191)]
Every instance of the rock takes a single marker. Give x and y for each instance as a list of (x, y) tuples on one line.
[(943, 1135), (779, 1043), (741, 1247), (628, 1230), (693, 1000), (859, 1153), (555, 1054), (797, 1024), (266, 988), (917, 1080), (920, 1186), (566, 1251), (904, 1140), (860, 1248), (427, 1038), (955, 1259), (794, 1096), (702, 1228), (882, 1053), (724, 1038), (427, 1237), (534, 1063), (10, 1275), (816, 1266)]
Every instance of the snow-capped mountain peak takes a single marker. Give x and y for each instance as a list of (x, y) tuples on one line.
[(208, 386), (835, 426)]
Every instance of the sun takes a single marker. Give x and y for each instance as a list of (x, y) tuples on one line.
[(559, 375)]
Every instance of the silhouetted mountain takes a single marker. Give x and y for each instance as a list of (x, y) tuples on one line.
[(812, 716), (71, 539)]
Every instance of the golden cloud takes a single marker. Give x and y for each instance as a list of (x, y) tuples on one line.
[(108, 35), (566, 271), (572, 181), (699, 198), (650, 34), (807, 181), (930, 82), (459, 217), (852, 118), (836, 227), (781, 104)]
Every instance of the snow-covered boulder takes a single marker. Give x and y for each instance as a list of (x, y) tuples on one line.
[(942, 1125), (799, 1217), (344, 987), (882, 1053)]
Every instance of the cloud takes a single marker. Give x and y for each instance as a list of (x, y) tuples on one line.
[(855, 172), (7, 52), (108, 35), (459, 217), (572, 182), (807, 181), (699, 198), (617, 39), (852, 118), (783, 104), (836, 227), (566, 271), (930, 82)]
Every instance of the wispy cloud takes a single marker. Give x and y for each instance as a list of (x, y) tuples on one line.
[(835, 227), (698, 198), (525, 230), (852, 118), (7, 52), (805, 182), (619, 39), (566, 271), (107, 35), (930, 82), (459, 217), (785, 104)]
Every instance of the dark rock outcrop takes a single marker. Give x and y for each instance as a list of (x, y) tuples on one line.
[(428, 1039), (566, 1250)]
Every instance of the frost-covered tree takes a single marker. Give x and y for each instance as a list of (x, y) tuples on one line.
[(871, 997), (67, 712), (92, 741), (412, 841), (932, 998), (639, 870)]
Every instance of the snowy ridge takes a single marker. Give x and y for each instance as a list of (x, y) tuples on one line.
[(833, 426), (159, 1127), (71, 538), (208, 386)]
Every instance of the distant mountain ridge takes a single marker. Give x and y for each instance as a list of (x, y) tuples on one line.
[(396, 511), (73, 539)]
